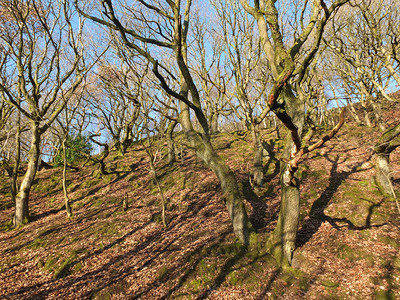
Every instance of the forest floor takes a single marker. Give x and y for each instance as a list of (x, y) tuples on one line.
[(348, 243)]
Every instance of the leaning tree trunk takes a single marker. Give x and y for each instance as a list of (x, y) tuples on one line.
[(233, 197), (21, 214), (234, 200), (282, 240)]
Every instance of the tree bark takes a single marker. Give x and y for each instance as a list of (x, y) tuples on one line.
[(282, 240), (388, 142), (14, 179), (171, 143), (258, 172), (64, 181), (21, 214), (233, 198), (383, 174)]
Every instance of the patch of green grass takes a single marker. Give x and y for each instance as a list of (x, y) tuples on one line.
[(63, 267), (109, 177), (195, 285), (345, 252), (88, 183), (396, 263), (329, 283), (163, 273), (390, 241), (384, 295), (37, 243), (233, 278), (51, 262)]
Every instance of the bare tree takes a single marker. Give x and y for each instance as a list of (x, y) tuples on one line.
[(289, 60), (46, 68), (365, 43), (151, 28), (118, 103)]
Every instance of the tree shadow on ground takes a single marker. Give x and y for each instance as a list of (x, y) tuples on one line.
[(225, 270), (317, 215), (110, 273), (263, 295), (351, 226)]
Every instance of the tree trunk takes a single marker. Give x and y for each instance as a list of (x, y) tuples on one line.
[(282, 240), (383, 173), (258, 172), (64, 181), (157, 182), (21, 215), (214, 123), (353, 112), (234, 201), (127, 140), (171, 143), (14, 179), (388, 142), (206, 152)]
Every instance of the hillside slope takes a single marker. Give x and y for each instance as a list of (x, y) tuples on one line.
[(348, 242)]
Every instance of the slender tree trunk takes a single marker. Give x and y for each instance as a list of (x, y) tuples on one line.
[(214, 123), (258, 172), (171, 143), (353, 112), (14, 179), (283, 239), (66, 198), (364, 103), (157, 182), (21, 215)]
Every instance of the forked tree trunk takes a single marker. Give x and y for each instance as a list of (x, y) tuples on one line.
[(21, 214)]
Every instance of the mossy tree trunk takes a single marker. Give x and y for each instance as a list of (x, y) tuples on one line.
[(282, 240), (388, 142), (171, 143), (233, 197), (14, 179), (64, 179), (21, 214), (289, 65), (188, 96), (258, 171)]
